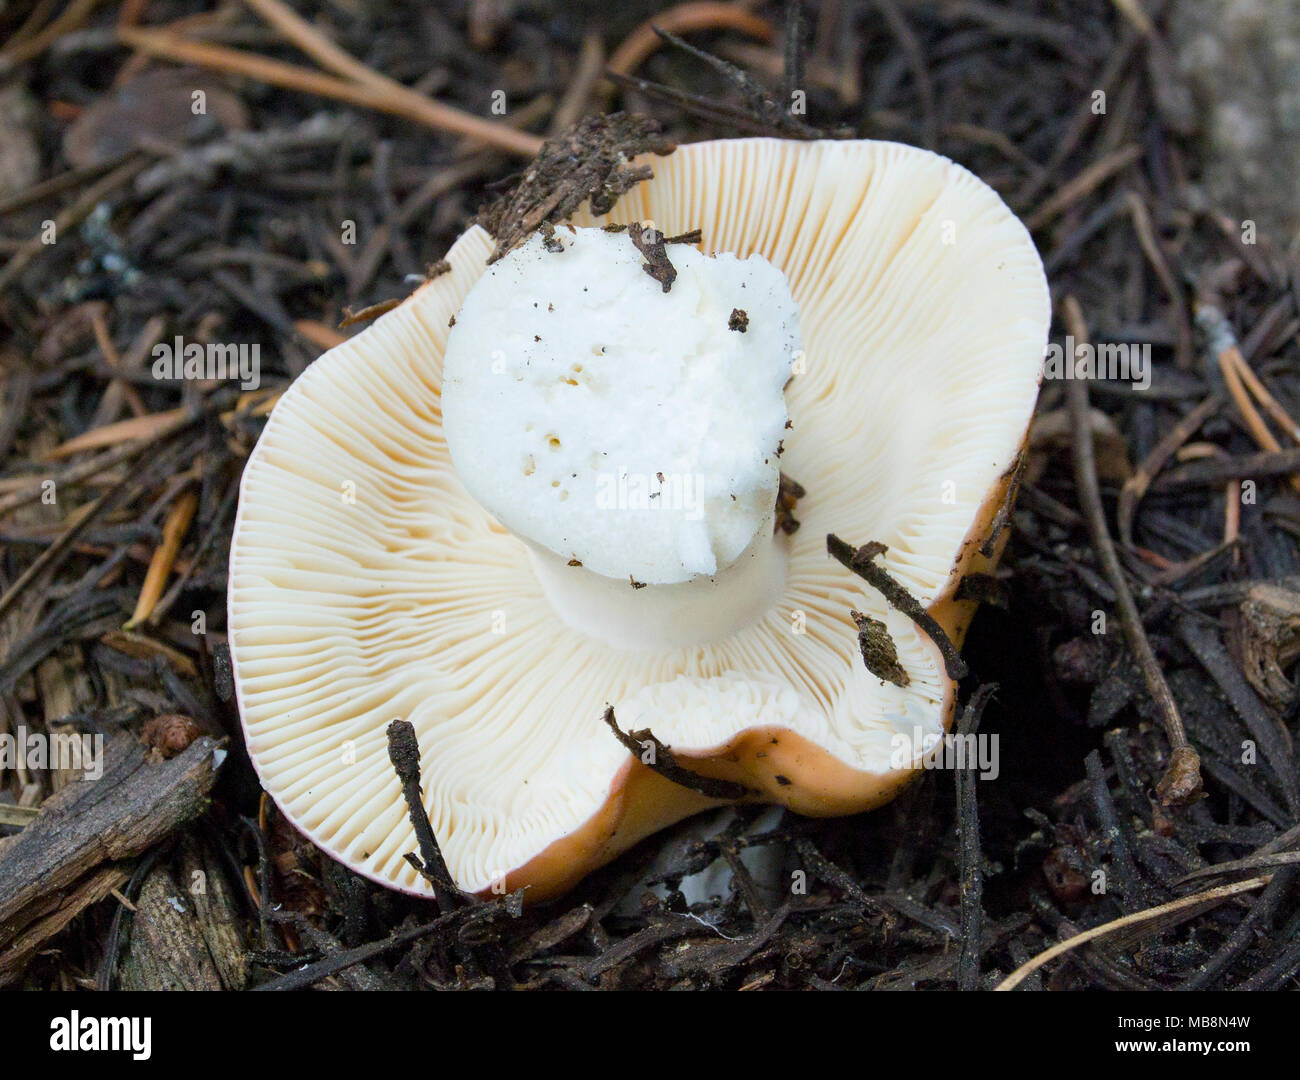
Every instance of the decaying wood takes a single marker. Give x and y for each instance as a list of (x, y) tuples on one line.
[(90, 827), (216, 913), (589, 163), (167, 951), (65, 687), (185, 932), (54, 913)]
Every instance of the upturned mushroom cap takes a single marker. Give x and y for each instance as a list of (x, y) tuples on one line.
[(367, 585)]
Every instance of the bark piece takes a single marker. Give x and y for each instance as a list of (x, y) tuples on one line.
[(88, 824)]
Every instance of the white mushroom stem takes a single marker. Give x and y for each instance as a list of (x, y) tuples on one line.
[(664, 616), (628, 433)]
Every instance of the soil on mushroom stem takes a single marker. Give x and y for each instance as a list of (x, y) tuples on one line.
[(235, 240)]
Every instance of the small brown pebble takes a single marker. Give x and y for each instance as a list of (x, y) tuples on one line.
[(1065, 874), (738, 321), (171, 733)]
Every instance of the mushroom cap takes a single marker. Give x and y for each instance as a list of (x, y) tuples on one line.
[(367, 585)]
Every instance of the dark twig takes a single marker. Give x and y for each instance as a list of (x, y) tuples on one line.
[(122, 916), (1219, 469), (760, 114), (1117, 839), (642, 744), (1278, 972), (823, 869), (57, 551), (404, 753), (911, 47), (1181, 784), (792, 67), (716, 112), (1207, 647), (970, 854), (763, 107), (1136, 486), (310, 974), (125, 452), (862, 562), (68, 219)]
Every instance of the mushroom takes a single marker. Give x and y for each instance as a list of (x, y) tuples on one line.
[(395, 557)]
